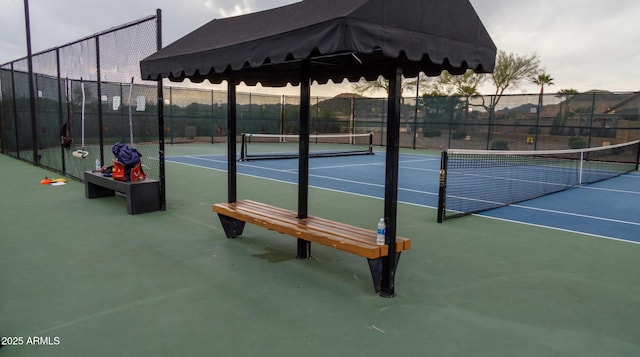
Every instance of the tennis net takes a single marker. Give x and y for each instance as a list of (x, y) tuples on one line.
[(275, 146), (473, 181)]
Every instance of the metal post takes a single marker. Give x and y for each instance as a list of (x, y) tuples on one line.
[(282, 107), (391, 181), (304, 247), (213, 120), (98, 83), (593, 109), (442, 190), (163, 188), (171, 114), (537, 127), (60, 111), (32, 100), (415, 113), (15, 111), (231, 140)]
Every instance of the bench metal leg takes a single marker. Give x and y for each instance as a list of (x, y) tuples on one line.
[(304, 249), (232, 227), (375, 265)]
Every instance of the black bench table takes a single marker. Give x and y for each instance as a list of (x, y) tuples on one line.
[(142, 196)]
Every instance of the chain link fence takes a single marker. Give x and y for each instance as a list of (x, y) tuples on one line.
[(509, 122), (93, 86), (120, 107)]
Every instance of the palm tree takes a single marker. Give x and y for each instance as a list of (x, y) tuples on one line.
[(542, 79), (561, 118)]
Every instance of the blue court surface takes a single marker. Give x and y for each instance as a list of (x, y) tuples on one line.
[(608, 209)]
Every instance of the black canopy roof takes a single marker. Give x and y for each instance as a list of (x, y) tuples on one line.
[(326, 40), (342, 38)]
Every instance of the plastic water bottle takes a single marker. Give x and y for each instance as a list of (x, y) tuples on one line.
[(382, 230), (98, 166)]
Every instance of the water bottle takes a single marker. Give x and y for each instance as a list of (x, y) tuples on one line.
[(382, 230), (98, 166)]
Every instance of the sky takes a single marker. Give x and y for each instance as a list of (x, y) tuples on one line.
[(581, 44)]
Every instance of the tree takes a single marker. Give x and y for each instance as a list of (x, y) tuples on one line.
[(561, 119), (364, 86), (511, 70), (465, 84), (542, 79)]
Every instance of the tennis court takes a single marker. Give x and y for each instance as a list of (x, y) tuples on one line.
[(607, 209), (169, 283)]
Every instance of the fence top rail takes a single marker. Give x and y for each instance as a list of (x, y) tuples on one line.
[(101, 33)]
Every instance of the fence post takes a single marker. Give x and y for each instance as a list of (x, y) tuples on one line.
[(171, 113), (32, 100), (382, 126), (451, 115), (213, 119), (15, 111), (593, 109), (415, 113), (98, 83), (60, 112), (161, 174), (282, 108)]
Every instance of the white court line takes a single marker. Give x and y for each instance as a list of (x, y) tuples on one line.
[(609, 190), (559, 229), (419, 205), (373, 184), (576, 215), (292, 171)]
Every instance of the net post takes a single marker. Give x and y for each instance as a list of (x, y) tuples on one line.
[(371, 143), (442, 191), (637, 146), (580, 166), (243, 147)]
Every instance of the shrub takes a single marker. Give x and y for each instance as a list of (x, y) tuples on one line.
[(459, 134), (430, 132), (500, 145), (577, 143)]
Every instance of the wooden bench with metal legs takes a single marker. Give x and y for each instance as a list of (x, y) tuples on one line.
[(355, 240)]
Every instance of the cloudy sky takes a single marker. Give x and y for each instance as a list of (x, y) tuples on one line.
[(582, 44)]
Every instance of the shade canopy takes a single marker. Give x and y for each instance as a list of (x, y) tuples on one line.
[(341, 39)]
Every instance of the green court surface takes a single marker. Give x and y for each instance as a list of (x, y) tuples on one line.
[(91, 280)]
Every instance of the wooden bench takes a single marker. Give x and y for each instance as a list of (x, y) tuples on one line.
[(142, 196), (355, 240)]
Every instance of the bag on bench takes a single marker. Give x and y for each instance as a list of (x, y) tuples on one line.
[(127, 165)]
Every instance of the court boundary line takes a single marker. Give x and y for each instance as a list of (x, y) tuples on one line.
[(575, 215), (559, 229), (480, 215)]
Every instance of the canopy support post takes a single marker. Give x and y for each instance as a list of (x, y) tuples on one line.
[(231, 141), (304, 247), (389, 262)]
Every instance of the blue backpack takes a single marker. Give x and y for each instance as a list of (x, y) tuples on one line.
[(129, 159)]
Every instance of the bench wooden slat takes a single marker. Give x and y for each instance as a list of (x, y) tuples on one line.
[(292, 229), (329, 233), (326, 225), (329, 226), (322, 224)]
